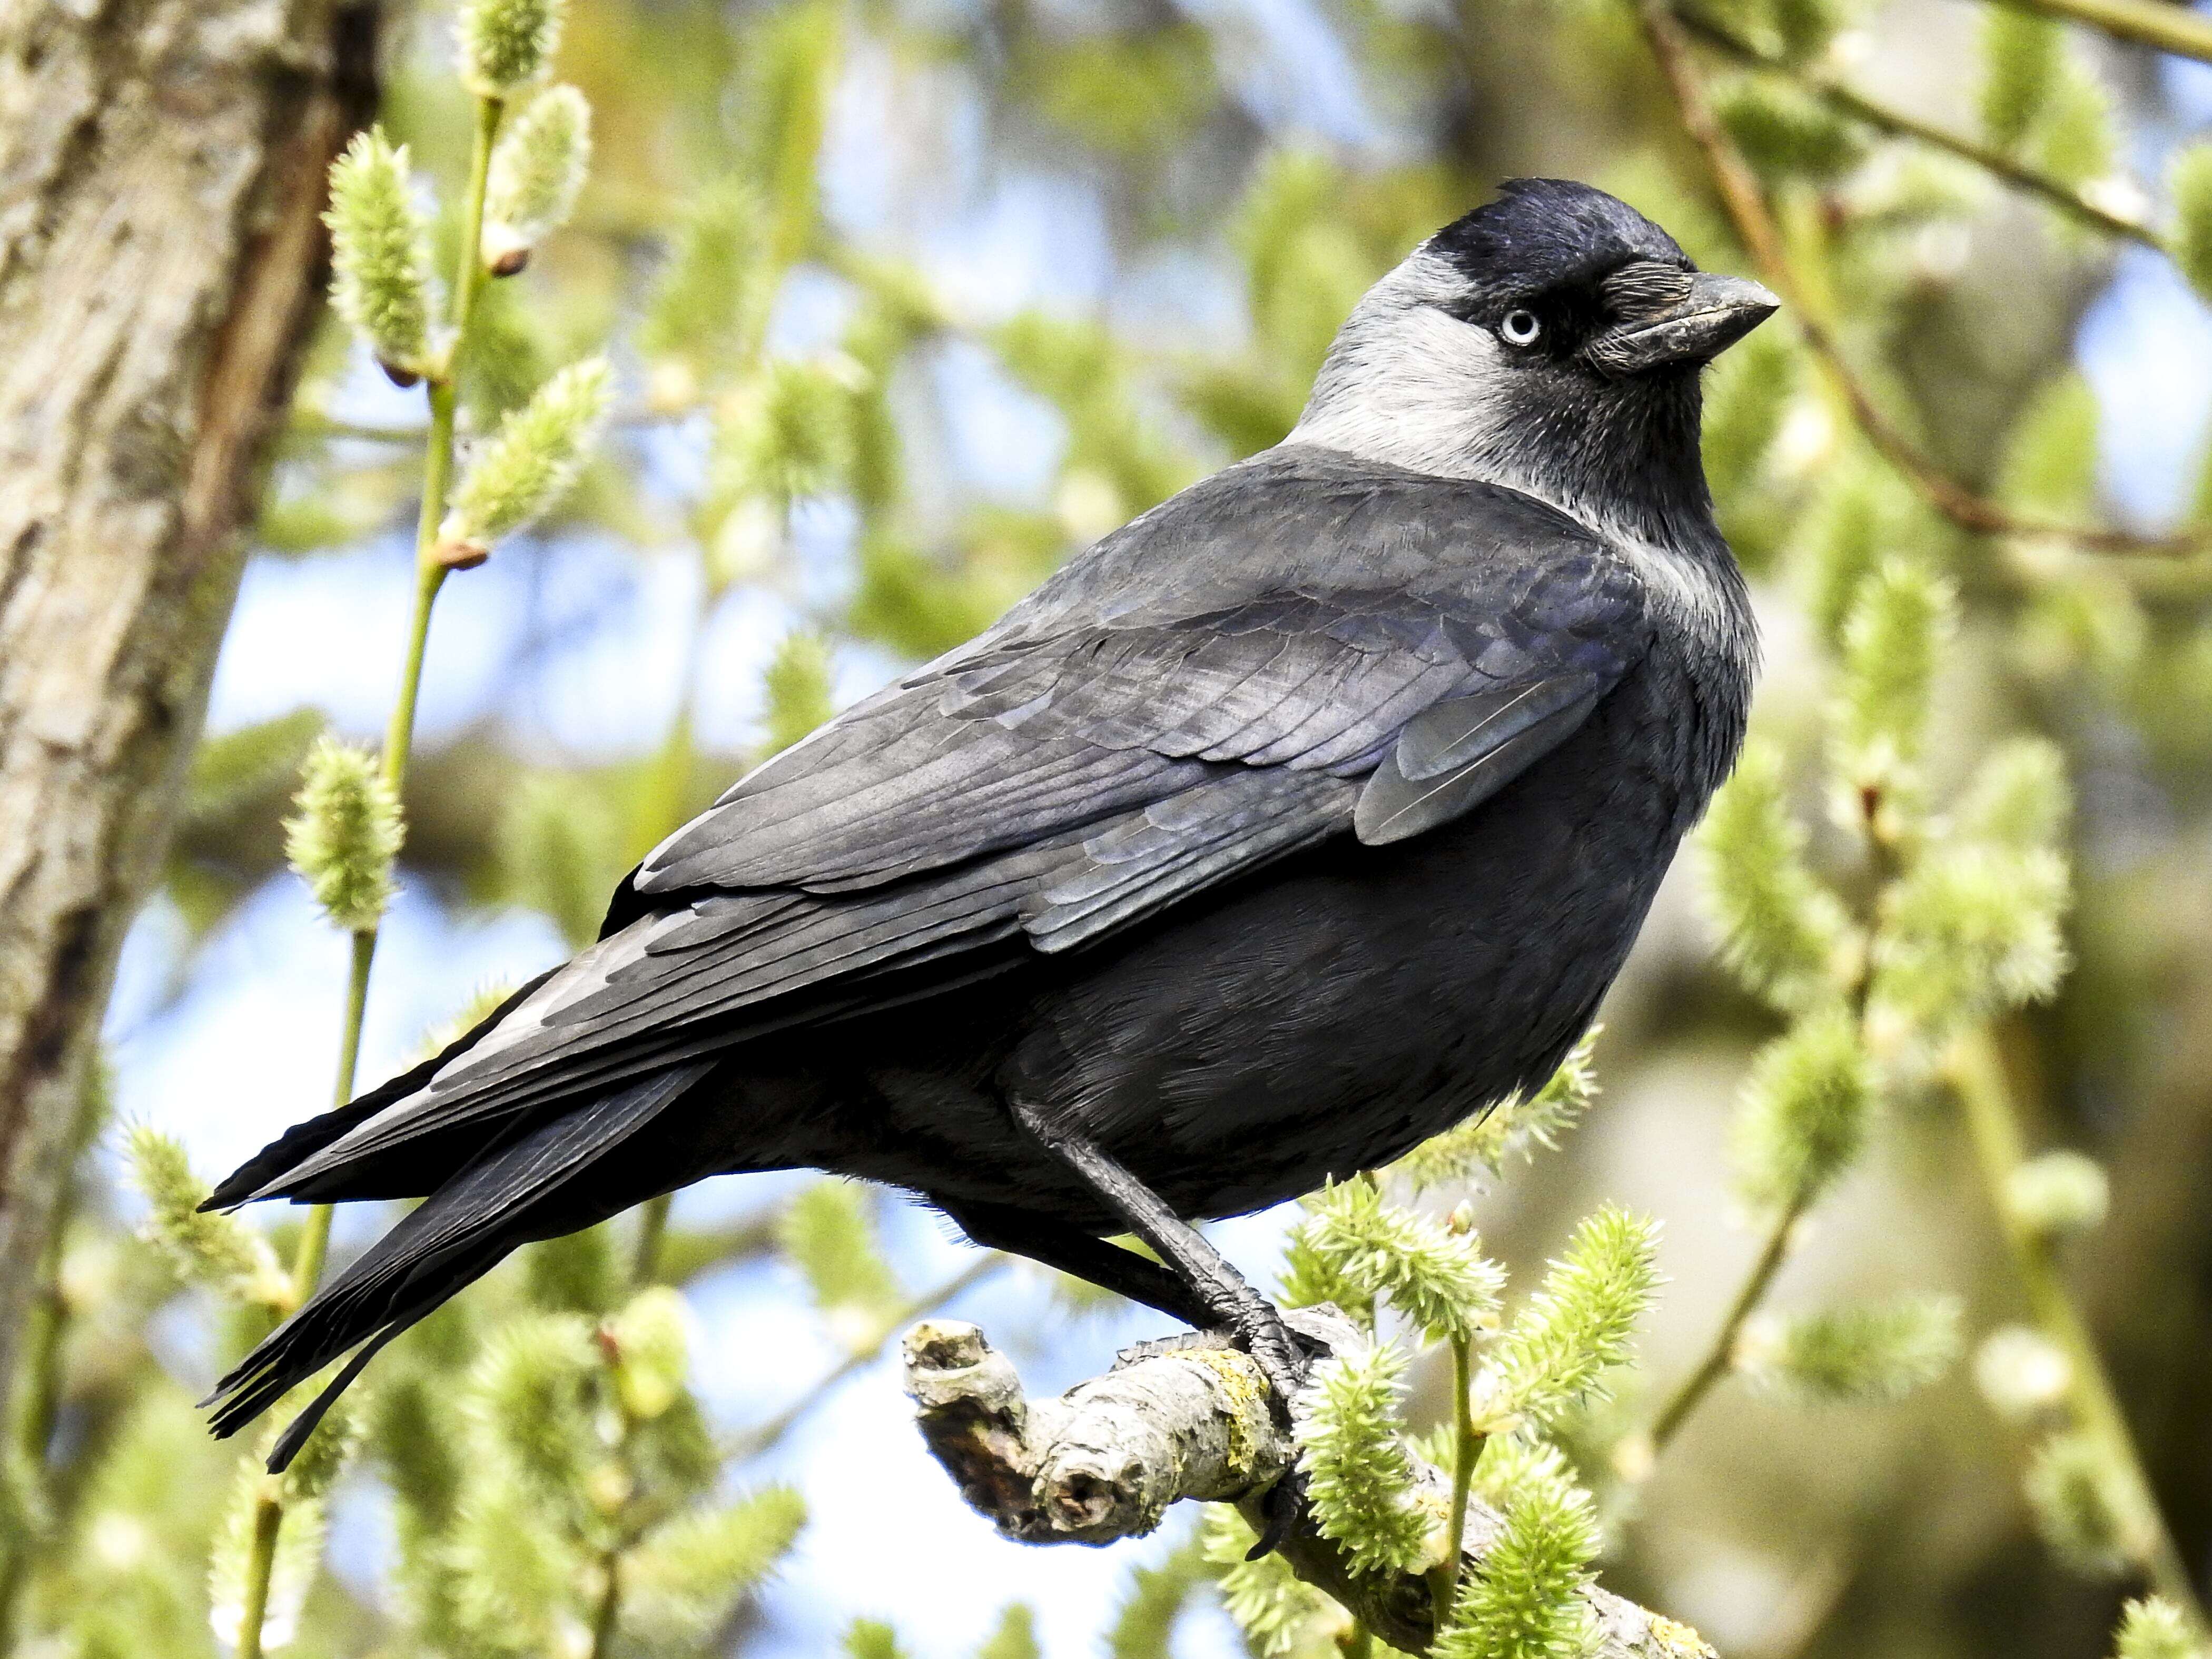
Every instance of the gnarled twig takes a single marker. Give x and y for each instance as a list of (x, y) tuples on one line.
[(1188, 1417)]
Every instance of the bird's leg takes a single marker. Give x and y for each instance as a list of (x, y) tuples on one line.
[(1075, 1251), (1229, 1301)]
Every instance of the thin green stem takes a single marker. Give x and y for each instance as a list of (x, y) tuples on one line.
[(260, 1568), (399, 741), (1977, 1075), (469, 272), (1357, 1643), (652, 1228), (2147, 22), (1466, 1452), (609, 1612), (1720, 1353)]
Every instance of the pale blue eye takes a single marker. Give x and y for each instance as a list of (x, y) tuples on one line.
[(1520, 328)]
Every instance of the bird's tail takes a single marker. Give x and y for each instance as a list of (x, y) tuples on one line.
[(534, 1186)]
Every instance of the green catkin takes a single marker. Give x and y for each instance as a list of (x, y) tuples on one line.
[(1434, 1277), (1747, 397), (712, 297), (1891, 640), (2076, 144), (1783, 934), (1859, 512), (233, 770), (1524, 1602), (798, 686), (2154, 1628), (2022, 58), (1277, 1612), (828, 1233), (871, 1638), (515, 1570), (576, 1272), (786, 433), (645, 1343), (559, 847), (1804, 1112), (2019, 799), (380, 253), (505, 44), (292, 1573), (1877, 1352), (1016, 1636), (683, 1578), (2050, 461), (1359, 1477), (2083, 1504), (1971, 930), (2058, 1194), (1144, 1625), (1806, 27), (527, 1401), (1786, 132), (1577, 1325), (206, 1247), (531, 461), (345, 833), (537, 171)]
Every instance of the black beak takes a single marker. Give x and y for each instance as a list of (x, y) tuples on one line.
[(1713, 315)]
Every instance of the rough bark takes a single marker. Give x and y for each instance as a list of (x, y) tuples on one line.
[(1189, 1418), (161, 173)]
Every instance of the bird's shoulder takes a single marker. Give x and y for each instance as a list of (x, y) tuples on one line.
[(1302, 610), (1300, 519)]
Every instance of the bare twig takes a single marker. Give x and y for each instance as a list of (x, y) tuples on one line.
[(1720, 1354), (1189, 1418), (1748, 211)]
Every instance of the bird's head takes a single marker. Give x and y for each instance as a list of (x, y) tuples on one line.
[(1550, 340)]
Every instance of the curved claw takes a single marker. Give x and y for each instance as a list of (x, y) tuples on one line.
[(1286, 1500)]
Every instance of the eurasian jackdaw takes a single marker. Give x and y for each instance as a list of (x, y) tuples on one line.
[(1283, 829)]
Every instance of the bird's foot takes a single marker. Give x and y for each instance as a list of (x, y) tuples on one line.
[(1283, 1359), (1285, 1353)]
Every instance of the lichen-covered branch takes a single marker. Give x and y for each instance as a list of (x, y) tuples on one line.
[(1188, 1417)]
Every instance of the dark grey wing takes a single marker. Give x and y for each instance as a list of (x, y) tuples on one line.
[(1073, 773)]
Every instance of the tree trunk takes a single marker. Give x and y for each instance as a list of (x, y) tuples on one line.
[(161, 173)]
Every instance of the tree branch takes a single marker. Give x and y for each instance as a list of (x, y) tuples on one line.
[(1188, 1417)]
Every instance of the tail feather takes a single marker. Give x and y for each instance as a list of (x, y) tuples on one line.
[(509, 1195), (303, 1141)]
